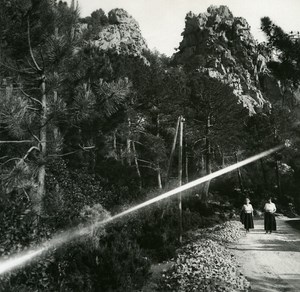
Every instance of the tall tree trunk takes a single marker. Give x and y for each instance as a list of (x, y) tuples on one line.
[(202, 163), (128, 148), (207, 159), (158, 170), (114, 144), (55, 129), (180, 177), (278, 182), (159, 182), (137, 164), (239, 174), (186, 164), (173, 149), (223, 159), (264, 173), (277, 173), (208, 147), (43, 149)]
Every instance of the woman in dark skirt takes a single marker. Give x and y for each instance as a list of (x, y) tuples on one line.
[(270, 222), (247, 215)]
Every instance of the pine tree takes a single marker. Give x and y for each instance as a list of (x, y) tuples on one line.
[(36, 73), (216, 119)]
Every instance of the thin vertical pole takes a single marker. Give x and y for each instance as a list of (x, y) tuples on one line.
[(180, 177)]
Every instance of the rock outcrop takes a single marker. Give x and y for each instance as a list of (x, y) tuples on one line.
[(122, 35), (222, 46)]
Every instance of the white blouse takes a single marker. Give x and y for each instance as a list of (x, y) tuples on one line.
[(248, 208), (270, 207)]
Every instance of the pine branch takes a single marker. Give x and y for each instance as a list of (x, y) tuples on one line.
[(15, 69)]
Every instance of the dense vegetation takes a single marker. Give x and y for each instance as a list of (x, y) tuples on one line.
[(85, 133)]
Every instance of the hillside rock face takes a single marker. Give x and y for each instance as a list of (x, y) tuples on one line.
[(122, 35), (221, 45)]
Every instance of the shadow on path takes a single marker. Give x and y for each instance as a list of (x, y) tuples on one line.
[(271, 262), (295, 223)]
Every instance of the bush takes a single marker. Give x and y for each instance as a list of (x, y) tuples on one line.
[(68, 191), (156, 228), (101, 261), (116, 263)]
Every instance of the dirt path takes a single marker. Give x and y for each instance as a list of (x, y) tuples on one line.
[(271, 262)]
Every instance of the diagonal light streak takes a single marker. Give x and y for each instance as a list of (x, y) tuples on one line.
[(21, 259)]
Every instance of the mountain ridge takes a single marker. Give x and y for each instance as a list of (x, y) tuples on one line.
[(220, 45)]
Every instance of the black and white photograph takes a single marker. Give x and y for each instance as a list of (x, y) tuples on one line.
[(149, 146)]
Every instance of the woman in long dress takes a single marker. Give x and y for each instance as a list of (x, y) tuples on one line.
[(247, 215), (270, 221)]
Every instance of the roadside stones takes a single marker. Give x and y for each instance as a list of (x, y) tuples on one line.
[(205, 264)]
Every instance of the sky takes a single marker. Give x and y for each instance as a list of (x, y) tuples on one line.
[(162, 21)]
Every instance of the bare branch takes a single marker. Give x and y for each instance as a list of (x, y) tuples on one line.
[(33, 109), (145, 161), (150, 167), (86, 148), (29, 151), (34, 136), (27, 196), (42, 57), (30, 48), (65, 154), (9, 160), (29, 63), (30, 97), (20, 160), (199, 140), (47, 122), (137, 142), (16, 142)]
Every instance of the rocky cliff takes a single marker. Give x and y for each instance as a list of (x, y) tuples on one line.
[(122, 35), (222, 46)]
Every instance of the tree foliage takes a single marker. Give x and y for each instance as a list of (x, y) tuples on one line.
[(286, 46)]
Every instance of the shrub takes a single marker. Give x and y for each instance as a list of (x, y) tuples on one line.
[(116, 263)]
